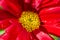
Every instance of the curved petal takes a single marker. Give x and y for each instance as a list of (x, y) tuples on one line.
[(51, 19), (1, 2), (27, 5), (3, 5), (49, 3), (12, 30), (4, 14), (24, 35), (27, 1), (36, 4), (13, 7), (42, 35), (4, 24)]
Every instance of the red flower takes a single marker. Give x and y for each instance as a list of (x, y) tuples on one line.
[(30, 20)]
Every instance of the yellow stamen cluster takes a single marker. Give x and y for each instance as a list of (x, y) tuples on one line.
[(30, 21)]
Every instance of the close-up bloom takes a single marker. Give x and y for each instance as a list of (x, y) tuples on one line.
[(29, 19)]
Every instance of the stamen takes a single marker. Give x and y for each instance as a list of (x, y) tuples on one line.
[(30, 21)]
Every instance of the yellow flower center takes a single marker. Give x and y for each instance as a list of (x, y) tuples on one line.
[(29, 20)]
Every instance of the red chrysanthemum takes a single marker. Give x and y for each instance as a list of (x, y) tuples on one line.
[(29, 19)]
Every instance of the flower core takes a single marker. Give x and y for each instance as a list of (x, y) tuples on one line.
[(29, 20)]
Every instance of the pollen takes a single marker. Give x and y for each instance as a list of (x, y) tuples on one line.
[(29, 20)]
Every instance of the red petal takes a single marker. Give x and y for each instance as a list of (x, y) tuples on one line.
[(4, 15), (36, 4), (24, 35), (3, 4), (4, 24), (27, 1), (14, 8), (27, 5), (12, 31), (51, 19), (41, 35), (49, 3)]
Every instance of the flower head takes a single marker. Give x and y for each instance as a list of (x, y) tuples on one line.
[(30, 20)]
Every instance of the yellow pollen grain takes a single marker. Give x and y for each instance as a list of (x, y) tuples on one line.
[(29, 20)]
